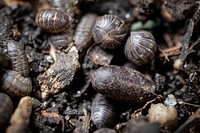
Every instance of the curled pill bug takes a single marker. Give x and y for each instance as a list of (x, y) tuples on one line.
[(52, 20), (109, 31), (6, 109), (14, 84), (83, 32), (140, 47), (17, 54), (123, 84), (103, 112)]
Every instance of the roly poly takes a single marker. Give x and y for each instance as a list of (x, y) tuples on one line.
[(140, 47), (52, 20), (103, 112), (6, 109), (18, 57), (123, 84), (61, 40), (20, 119), (14, 84), (83, 32), (109, 31)]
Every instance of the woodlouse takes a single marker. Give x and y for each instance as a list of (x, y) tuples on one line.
[(103, 112), (140, 47), (109, 31), (123, 84), (52, 20), (18, 57), (83, 32), (14, 84), (60, 41), (6, 109)]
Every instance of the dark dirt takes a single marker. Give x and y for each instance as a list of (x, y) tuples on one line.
[(61, 78)]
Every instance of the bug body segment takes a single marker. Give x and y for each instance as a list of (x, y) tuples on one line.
[(60, 41), (123, 84), (103, 112), (52, 20), (109, 31), (17, 54), (140, 47), (83, 33), (14, 84)]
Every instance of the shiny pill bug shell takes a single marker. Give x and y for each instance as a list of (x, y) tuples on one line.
[(140, 47), (52, 20), (109, 31)]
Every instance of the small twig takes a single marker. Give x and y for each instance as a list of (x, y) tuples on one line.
[(191, 104), (170, 52), (166, 57), (186, 40), (135, 113), (195, 118)]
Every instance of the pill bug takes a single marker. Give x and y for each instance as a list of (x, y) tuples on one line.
[(20, 119), (109, 31), (140, 47), (103, 112), (6, 109), (123, 84), (18, 57), (60, 40), (52, 20), (14, 84), (83, 32)]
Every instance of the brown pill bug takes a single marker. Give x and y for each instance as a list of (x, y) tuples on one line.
[(140, 47), (17, 54), (83, 32), (109, 31), (20, 119), (14, 84), (123, 84), (60, 40), (103, 112), (52, 20), (6, 109)]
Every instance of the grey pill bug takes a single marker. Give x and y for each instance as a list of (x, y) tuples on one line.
[(6, 109), (60, 40), (109, 31), (123, 84), (17, 54), (83, 32), (14, 84), (53, 20), (140, 47), (103, 112)]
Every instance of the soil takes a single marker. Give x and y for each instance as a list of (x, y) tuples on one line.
[(62, 93)]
